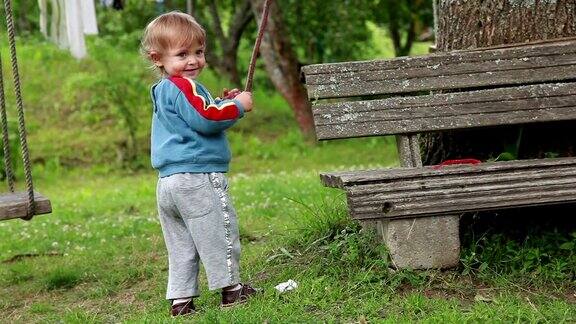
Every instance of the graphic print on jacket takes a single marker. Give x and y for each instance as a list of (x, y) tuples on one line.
[(188, 127)]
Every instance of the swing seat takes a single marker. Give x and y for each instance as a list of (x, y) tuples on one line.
[(15, 205)]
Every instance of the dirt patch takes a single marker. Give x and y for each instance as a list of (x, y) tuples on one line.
[(570, 296)]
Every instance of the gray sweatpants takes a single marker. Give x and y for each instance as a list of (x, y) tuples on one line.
[(199, 224)]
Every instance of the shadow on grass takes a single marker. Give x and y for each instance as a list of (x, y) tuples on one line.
[(535, 246), (520, 224)]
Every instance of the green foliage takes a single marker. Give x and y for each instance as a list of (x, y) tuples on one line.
[(405, 20), (327, 31), (26, 17), (124, 27), (112, 92), (511, 151)]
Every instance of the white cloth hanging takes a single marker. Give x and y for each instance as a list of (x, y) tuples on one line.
[(75, 28), (70, 21), (43, 4), (89, 17), (61, 36)]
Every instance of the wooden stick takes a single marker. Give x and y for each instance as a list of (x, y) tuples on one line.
[(252, 66)]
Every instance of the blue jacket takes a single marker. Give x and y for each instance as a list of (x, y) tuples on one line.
[(188, 128)]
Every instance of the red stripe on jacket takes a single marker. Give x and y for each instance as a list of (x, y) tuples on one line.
[(211, 111)]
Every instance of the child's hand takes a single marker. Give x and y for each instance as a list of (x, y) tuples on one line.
[(230, 94), (245, 99)]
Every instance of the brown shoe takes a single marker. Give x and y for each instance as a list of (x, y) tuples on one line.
[(186, 308), (239, 296)]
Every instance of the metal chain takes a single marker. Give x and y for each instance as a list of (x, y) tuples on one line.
[(20, 106), (252, 65), (5, 138)]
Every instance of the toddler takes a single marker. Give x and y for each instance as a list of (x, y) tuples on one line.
[(190, 151)]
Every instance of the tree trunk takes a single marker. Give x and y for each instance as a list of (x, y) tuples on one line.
[(190, 7), (283, 66), (226, 62), (397, 27), (469, 24)]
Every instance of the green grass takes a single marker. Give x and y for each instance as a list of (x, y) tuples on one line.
[(100, 257)]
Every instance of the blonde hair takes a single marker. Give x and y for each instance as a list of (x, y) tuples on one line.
[(171, 30)]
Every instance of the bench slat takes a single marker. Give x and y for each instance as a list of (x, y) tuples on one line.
[(425, 189), (463, 202), (363, 177), (419, 187), (481, 54), (447, 111), (455, 67), (459, 69), (460, 188)]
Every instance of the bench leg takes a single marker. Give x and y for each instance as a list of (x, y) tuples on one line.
[(422, 243)]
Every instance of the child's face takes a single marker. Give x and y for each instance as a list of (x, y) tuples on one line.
[(184, 62)]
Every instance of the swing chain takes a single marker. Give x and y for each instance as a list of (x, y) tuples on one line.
[(20, 106)]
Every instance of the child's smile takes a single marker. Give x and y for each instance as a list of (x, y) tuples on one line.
[(185, 61)]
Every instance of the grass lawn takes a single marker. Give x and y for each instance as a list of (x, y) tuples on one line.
[(100, 257)]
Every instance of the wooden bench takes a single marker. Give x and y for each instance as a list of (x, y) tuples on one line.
[(418, 207)]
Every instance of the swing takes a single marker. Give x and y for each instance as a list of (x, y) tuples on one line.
[(17, 204)]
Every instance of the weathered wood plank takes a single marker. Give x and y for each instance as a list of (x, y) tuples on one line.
[(448, 100), (15, 205), (482, 54), (446, 69), (353, 88), (454, 70), (423, 186), (419, 192), (351, 178), (490, 107), (470, 186), (464, 202)]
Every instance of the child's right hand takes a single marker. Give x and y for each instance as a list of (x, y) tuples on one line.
[(230, 94), (245, 99)]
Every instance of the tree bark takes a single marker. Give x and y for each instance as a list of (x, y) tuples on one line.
[(470, 24), (282, 65)]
